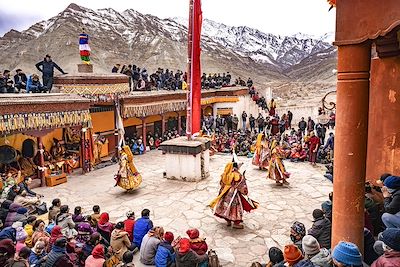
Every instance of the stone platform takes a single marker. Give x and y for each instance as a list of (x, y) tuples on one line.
[(177, 205), (186, 160)]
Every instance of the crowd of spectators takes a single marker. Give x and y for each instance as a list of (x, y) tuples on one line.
[(68, 239)]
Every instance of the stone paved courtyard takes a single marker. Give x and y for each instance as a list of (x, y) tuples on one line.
[(178, 206)]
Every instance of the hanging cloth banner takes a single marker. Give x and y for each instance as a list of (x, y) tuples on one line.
[(84, 48)]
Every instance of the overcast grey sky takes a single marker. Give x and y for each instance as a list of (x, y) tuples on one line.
[(283, 17)]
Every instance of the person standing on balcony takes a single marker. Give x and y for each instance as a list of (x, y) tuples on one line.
[(46, 67)]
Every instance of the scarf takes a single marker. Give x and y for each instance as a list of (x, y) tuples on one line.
[(104, 218), (55, 234), (98, 252)]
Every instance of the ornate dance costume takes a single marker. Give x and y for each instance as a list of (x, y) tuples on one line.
[(276, 169), (127, 177), (261, 155)]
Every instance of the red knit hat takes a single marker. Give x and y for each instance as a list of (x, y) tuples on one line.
[(169, 237), (292, 254), (98, 252), (184, 245), (193, 233)]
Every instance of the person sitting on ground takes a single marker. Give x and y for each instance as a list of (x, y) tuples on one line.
[(33, 85), (7, 251), (85, 230), (321, 229), (95, 239), (391, 247), (142, 226), (292, 255), (55, 234), (13, 192), (326, 207), (20, 237), (20, 80), (297, 232), (22, 215), (21, 258), (28, 202), (391, 194), (119, 240), (97, 258), (105, 227), (127, 260), (54, 210), (370, 254), (78, 217), (64, 220), (197, 244), (185, 257), (4, 208), (346, 254), (58, 255), (150, 242), (24, 185), (38, 254), (275, 256), (313, 252), (40, 233), (12, 214), (165, 255), (95, 216), (29, 230), (129, 224)]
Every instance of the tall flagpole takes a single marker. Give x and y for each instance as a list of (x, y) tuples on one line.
[(189, 71)]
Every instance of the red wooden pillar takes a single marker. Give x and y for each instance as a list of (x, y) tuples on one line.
[(144, 134), (83, 150), (351, 143), (162, 124), (41, 171)]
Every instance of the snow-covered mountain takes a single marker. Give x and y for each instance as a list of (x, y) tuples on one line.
[(281, 51), (131, 37)]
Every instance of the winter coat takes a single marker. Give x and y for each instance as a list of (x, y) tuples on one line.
[(129, 225), (189, 259), (165, 255), (119, 242), (321, 230), (29, 230), (47, 68), (93, 262), (27, 202), (24, 187), (389, 259), (392, 204), (302, 125), (20, 78), (5, 206), (148, 249), (322, 259), (142, 226), (53, 212), (21, 218), (67, 224), (8, 233), (58, 258), (36, 260), (12, 213), (199, 246)]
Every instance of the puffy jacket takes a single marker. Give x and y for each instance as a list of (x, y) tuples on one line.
[(389, 259), (8, 233), (321, 230), (129, 225), (47, 67), (67, 224), (392, 204), (165, 255), (189, 259), (58, 258), (142, 226), (36, 260), (12, 213)]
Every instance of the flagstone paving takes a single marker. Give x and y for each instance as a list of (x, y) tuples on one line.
[(178, 206)]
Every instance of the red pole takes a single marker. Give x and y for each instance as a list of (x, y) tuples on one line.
[(83, 153), (41, 172), (195, 84), (189, 68), (144, 134)]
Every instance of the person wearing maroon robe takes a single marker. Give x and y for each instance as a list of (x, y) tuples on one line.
[(314, 144)]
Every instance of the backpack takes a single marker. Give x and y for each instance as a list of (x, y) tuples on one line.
[(213, 260)]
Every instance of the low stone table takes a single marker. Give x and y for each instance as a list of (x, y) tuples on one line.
[(187, 160)]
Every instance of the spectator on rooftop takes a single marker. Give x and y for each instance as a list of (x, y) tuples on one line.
[(20, 80), (46, 67)]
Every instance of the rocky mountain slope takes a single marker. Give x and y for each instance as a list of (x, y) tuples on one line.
[(130, 37)]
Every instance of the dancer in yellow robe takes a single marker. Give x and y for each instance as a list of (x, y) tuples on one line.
[(276, 169), (128, 176)]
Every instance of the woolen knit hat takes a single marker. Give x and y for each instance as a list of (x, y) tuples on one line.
[(22, 210), (169, 237), (392, 182), (391, 238), (21, 234), (310, 245), (347, 253), (292, 254)]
